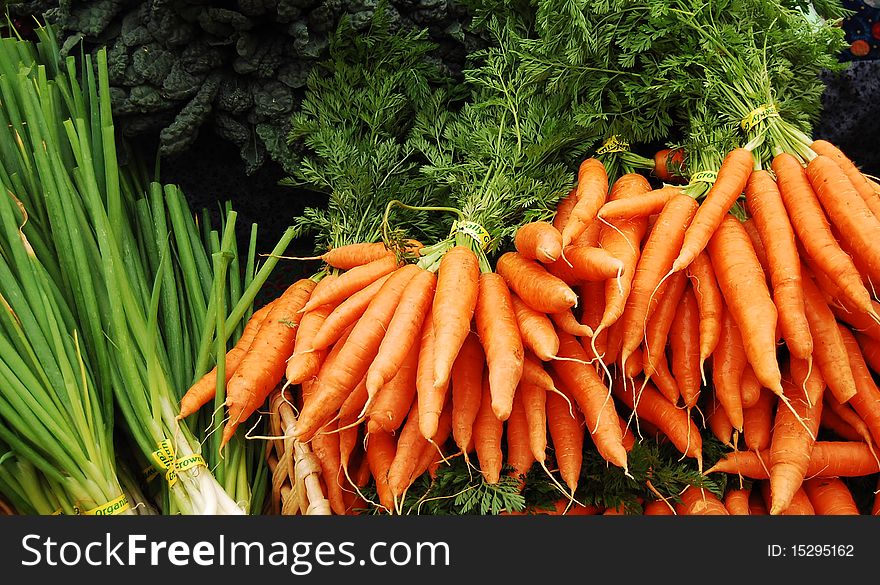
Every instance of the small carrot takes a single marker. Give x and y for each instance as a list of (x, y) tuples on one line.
[(567, 436), (660, 322), (431, 398), (262, 367), (750, 387), (467, 391), (539, 240), (566, 321), (381, 448), (757, 427), (718, 422), (808, 377), (866, 400), (501, 340), (643, 206), (534, 285), (729, 362), (348, 256), (827, 459), (593, 304), (351, 281), (859, 181), (700, 502), (799, 505), (563, 210), (593, 263), (325, 446), (830, 497), (732, 177), (536, 328), (684, 341), (388, 410), (737, 502), (534, 401), (665, 381), (711, 304), (488, 430), (304, 362), (519, 452), (346, 313), (410, 446), (592, 192), (455, 299)]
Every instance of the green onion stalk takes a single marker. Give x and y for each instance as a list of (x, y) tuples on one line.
[(60, 162)]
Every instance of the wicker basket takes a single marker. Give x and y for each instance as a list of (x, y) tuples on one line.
[(297, 487)]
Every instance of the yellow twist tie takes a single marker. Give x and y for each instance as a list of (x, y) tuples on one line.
[(704, 177), (164, 457), (111, 508), (474, 230), (758, 115), (613, 144)]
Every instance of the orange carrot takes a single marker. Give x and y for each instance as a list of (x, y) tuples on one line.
[(809, 379), (534, 401), (593, 398), (743, 286), (750, 387), (669, 165), (827, 459), (790, 448), (539, 240), (732, 177), (684, 342), (410, 446), (665, 381), (866, 400), (534, 285), (488, 430), (348, 256), (395, 398), (351, 281), (830, 497), (870, 350), (592, 303), (455, 300), (658, 508), (325, 446), (262, 367), (765, 204), (381, 448), (204, 390), (567, 436), (814, 231), (700, 502), (592, 192), (737, 502), (593, 263), (636, 363), (346, 313), (467, 391), (729, 363), (832, 421), (431, 398), (758, 422), (660, 322), (432, 456), (860, 182), (563, 210), (304, 363), (501, 340), (798, 506), (335, 384), (642, 206), (718, 422), (710, 302), (566, 321), (403, 330), (829, 351), (656, 259), (536, 328), (519, 452)]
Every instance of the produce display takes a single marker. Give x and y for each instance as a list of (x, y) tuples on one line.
[(606, 269)]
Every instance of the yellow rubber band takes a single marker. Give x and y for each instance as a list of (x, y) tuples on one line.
[(164, 457), (704, 177), (613, 144), (758, 115), (111, 508), (473, 230)]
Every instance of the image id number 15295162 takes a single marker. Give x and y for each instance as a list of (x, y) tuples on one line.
[(810, 550)]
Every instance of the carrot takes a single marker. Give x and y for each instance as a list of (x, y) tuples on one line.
[(732, 177), (593, 398), (346, 313), (870, 350), (866, 401), (593, 304), (455, 299), (685, 344), (665, 381), (536, 328), (757, 427), (729, 363), (856, 319), (832, 421), (381, 448), (467, 390), (660, 322), (830, 353), (403, 330), (794, 434), (636, 363), (262, 367), (432, 456), (350, 255), (814, 231), (534, 285), (718, 422), (649, 203), (764, 203), (325, 446), (592, 192), (566, 321), (534, 401), (675, 423), (656, 258), (350, 411), (798, 506), (710, 302), (488, 430), (351, 281), (808, 378), (410, 446), (859, 181), (395, 398), (700, 502), (431, 398), (519, 452), (205, 388), (501, 340), (827, 459), (750, 387), (567, 436), (669, 165), (658, 508), (745, 292), (335, 384), (830, 497), (846, 209), (737, 502), (760, 251), (563, 210), (593, 263), (539, 240)]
